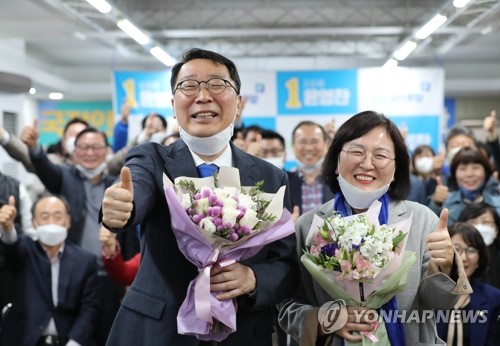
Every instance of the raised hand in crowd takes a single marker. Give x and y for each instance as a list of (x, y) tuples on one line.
[(490, 125), (438, 162), (8, 213), (441, 192), (30, 134), (117, 202), (108, 241)]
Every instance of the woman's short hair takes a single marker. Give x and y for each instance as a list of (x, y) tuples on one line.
[(465, 156), (356, 127), (472, 237)]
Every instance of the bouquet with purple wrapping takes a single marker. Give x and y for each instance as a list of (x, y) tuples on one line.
[(217, 221)]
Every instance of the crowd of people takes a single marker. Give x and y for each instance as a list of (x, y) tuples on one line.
[(88, 256)]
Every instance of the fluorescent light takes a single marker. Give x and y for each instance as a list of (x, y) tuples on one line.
[(134, 32), (390, 63), (431, 26), (487, 30), (460, 3), (32, 91), (163, 56), (101, 5), (56, 96), (80, 36), (403, 52)]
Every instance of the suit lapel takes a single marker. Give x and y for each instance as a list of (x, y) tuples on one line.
[(179, 161), (249, 175), (44, 271)]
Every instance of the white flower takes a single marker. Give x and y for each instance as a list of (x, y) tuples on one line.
[(225, 193), (229, 214), (207, 224), (246, 201), (202, 205), (250, 219), (186, 201), (230, 203)]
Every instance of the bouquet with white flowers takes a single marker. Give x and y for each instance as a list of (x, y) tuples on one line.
[(217, 221), (356, 259)]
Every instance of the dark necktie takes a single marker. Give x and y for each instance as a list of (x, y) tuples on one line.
[(207, 170)]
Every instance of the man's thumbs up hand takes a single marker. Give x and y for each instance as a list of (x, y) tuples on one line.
[(117, 202), (8, 213)]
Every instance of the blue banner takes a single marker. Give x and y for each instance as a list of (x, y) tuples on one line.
[(317, 92)]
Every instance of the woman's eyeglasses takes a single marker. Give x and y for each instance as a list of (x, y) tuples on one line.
[(379, 159)]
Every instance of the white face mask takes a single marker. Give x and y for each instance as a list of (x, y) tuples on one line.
[(51, 234), (309, 169), (91, 173), (158, 137), (276, 161), (69, 145), (424, 165), (207, 146), (359, 199), (487, 232)]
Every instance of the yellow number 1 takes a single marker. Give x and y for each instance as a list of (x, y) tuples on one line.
[(292, 85)]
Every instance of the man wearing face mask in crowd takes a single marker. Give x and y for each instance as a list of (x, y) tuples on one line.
[(272, 148), (310, 143), (83, 186), (18, 150), (56, 301), (458, 137)]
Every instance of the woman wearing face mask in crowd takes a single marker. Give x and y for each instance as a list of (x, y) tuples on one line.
[(470, 182), (474, 319), (367, 161), (486, 220), (426, 165)]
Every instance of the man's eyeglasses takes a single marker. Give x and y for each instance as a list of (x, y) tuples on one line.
[(215, 86), (470, 251), (379, 159), (84, 147)]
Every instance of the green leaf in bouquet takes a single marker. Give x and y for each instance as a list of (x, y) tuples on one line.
[(256, 189), (397, 239), (188, 186)]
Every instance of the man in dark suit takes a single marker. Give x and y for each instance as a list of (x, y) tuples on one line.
[(55, 301), (206, 101), (82, 185), (310, 144)]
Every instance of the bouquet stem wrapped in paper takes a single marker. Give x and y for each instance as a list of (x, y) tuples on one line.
[(351, 267), (216, 221)]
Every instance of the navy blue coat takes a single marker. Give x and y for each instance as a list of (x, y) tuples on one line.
[(32, 306), (148, 315), (485, 300)]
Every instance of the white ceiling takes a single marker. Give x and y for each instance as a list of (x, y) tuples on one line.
[(38, 38)]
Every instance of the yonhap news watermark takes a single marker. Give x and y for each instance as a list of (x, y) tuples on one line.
[(333, 315)]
